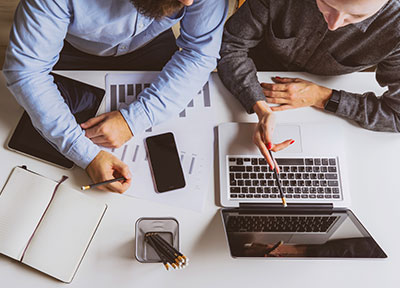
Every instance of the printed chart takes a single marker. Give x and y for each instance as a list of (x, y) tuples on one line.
[(192, 125)]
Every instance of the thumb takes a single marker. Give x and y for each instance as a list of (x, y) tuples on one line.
[(122, 169), (93, 121), (278, 79)]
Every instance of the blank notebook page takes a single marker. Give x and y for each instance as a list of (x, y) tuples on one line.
[(22, 203), (64, 234)]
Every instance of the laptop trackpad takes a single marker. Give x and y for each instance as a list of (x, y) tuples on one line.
[(238, 138)]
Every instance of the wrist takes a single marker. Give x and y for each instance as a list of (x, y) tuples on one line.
[(326, 94), (261, 108)]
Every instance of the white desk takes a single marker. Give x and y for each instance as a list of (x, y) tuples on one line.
[(373, 165)]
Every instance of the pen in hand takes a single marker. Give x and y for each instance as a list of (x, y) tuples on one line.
[(102, 183), (278, 182)]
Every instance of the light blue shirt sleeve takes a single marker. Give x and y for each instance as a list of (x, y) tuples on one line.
[(187, 71), (36, 40)]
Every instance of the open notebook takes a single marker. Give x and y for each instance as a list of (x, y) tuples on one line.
[(50, 233)]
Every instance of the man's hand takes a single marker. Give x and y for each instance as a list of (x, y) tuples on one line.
[(291, 93), (108, 130), (106, 166), (262, 135)]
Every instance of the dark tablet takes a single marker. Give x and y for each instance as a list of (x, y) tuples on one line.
[(83, 100)]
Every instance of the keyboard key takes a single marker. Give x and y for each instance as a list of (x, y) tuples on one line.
[(324, 169), (271, 183), (238, 176), (256, 182), (249, 196), (246, 159), (333, 183), (259, 190), (249, 168), (273, 196), (317, 161), (267, 190), (304, 196), (257, 196), (256, 168), (232, 159), (240, 182), (325, 161), (286, 169), (293, 183), (331, 169), (335, 190), (252, 190), (234, 195), (245, 189), (239, 161), (290, 161), (235, 189), (335, 196), (246, 175), (247, 182), (262, 161), (263, 183), (323, 183), (309, 161), (236, 168), (332, 161), (254, 161), (330, 176), (316, 169), (260, 175), (242, 195), (265, 196), (253, 176)]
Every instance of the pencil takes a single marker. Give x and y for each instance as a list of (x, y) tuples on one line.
[(277, 244), (101, 183), (278, 181)]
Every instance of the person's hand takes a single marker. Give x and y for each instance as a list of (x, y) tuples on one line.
[(108, 130), (262, 135), (291, 93), (106, 166)]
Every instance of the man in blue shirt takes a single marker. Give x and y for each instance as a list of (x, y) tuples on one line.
[(97, 33)]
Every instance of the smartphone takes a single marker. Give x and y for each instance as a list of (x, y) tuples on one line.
[(164, 162)]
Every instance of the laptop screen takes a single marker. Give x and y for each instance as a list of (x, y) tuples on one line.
[(336, 234)]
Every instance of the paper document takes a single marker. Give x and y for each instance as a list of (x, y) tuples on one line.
[(193, 131)]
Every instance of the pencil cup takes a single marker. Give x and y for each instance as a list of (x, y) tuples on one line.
[(167, 228)]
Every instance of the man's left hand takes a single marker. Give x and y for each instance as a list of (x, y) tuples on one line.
[(108, 130), (291, 93)]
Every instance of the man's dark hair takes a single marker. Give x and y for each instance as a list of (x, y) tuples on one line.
[(157, 8)]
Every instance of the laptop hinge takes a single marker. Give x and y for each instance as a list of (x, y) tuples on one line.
[(291, 207)]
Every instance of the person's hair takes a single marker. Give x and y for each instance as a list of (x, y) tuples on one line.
[(157, 8)]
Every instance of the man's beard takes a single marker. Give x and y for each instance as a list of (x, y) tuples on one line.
[(157, 8)]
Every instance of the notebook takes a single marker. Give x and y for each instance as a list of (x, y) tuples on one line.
[(312, 170), (46, 225)]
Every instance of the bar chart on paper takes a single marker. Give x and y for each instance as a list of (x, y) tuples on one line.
[(193, 124)]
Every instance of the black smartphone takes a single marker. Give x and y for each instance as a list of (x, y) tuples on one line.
[(164, 162)]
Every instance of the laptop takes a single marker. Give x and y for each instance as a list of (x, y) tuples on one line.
[(316, 223)]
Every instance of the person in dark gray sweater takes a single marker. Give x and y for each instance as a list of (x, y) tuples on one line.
[(324, 37)]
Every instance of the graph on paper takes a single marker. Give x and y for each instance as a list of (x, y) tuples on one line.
[(193, 123)]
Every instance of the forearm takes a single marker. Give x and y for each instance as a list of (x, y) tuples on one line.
[(371, 112), (243, 31)]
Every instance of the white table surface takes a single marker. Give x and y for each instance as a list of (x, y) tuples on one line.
[(374, 180)]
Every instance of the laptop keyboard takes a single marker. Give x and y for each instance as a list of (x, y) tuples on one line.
[(280, 223), (301, 178)]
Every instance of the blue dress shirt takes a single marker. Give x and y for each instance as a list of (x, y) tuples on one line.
[(106, 28)]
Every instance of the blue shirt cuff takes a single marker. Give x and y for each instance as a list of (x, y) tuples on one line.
[(83, 151), (137, 112)]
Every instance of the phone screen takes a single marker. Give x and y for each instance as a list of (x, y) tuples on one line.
[(164, 162)]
